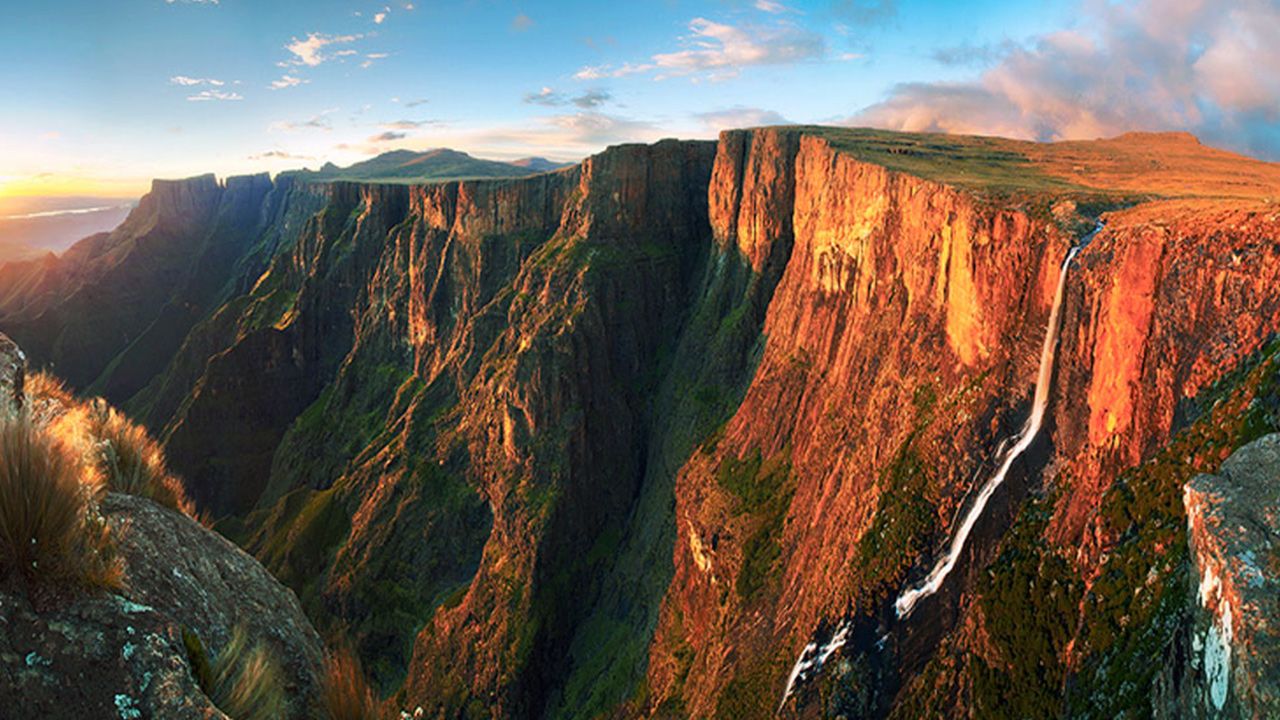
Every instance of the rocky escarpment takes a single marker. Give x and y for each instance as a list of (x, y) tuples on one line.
[(113, 309), (1233, 522), (627, 437)]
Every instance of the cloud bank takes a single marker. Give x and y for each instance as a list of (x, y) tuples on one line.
[(1198, 65)]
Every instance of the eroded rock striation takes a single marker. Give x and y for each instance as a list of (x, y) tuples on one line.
[(13, 369)]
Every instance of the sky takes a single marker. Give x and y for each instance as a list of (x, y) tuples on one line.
[(101, 97)]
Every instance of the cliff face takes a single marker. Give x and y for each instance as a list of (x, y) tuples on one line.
[(624, 438), (899, 331), (1170, 296), (111, 311)]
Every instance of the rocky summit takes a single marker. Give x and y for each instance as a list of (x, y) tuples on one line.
[(672, 431)]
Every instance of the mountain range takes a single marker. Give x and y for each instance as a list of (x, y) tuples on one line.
[(669, 432), (408, 166)]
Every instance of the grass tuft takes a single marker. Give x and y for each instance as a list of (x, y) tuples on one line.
[(131, 461), (45, 386), (345, 693), (244, 680), (50, 530)]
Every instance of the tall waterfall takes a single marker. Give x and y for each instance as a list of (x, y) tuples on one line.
[(816, 654), (906, 602)]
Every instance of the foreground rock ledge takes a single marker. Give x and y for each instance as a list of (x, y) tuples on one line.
[(1233, 523), (122, 655)]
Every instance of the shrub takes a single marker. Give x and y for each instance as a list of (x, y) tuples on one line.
[(50, 530), (244, 680), (131, 461), (344, 692)]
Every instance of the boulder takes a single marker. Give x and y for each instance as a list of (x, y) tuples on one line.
[(122, 655), (1233, 523)]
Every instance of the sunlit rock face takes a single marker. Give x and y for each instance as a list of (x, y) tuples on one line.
[(1233, 520)]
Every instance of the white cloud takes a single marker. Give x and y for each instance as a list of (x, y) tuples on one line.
[(551, 98), (740, 117), (319, 121), (719, 51), (207, 95), (770, 6), (192, 2), (1139, 65), (407, 124), (597, 72), (287, 81), (185, 81), (311, 51), (379, 17), (280, 155), (371, 58)]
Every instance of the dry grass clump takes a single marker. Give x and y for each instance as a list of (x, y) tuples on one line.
[(344, 692), (42, 385), (50, 529), (130, 461), (244, 680), (122, 453)]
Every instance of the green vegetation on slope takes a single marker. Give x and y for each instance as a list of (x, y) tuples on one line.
[(1028, 598), (1136, 608), (988, 164)]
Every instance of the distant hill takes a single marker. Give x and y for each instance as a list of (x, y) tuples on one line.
[(539, 164), (407, 166)]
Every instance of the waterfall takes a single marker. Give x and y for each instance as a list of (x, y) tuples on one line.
[(906, 602), (814, 654)]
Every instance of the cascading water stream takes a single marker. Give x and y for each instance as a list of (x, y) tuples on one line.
[(814, 655), (906, 602)]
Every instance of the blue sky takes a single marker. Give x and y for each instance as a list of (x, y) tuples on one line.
[(109, 95)]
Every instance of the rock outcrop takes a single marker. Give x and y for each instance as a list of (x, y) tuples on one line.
[(126, 653), (13, 369), (1233, 521), (122, 655)]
